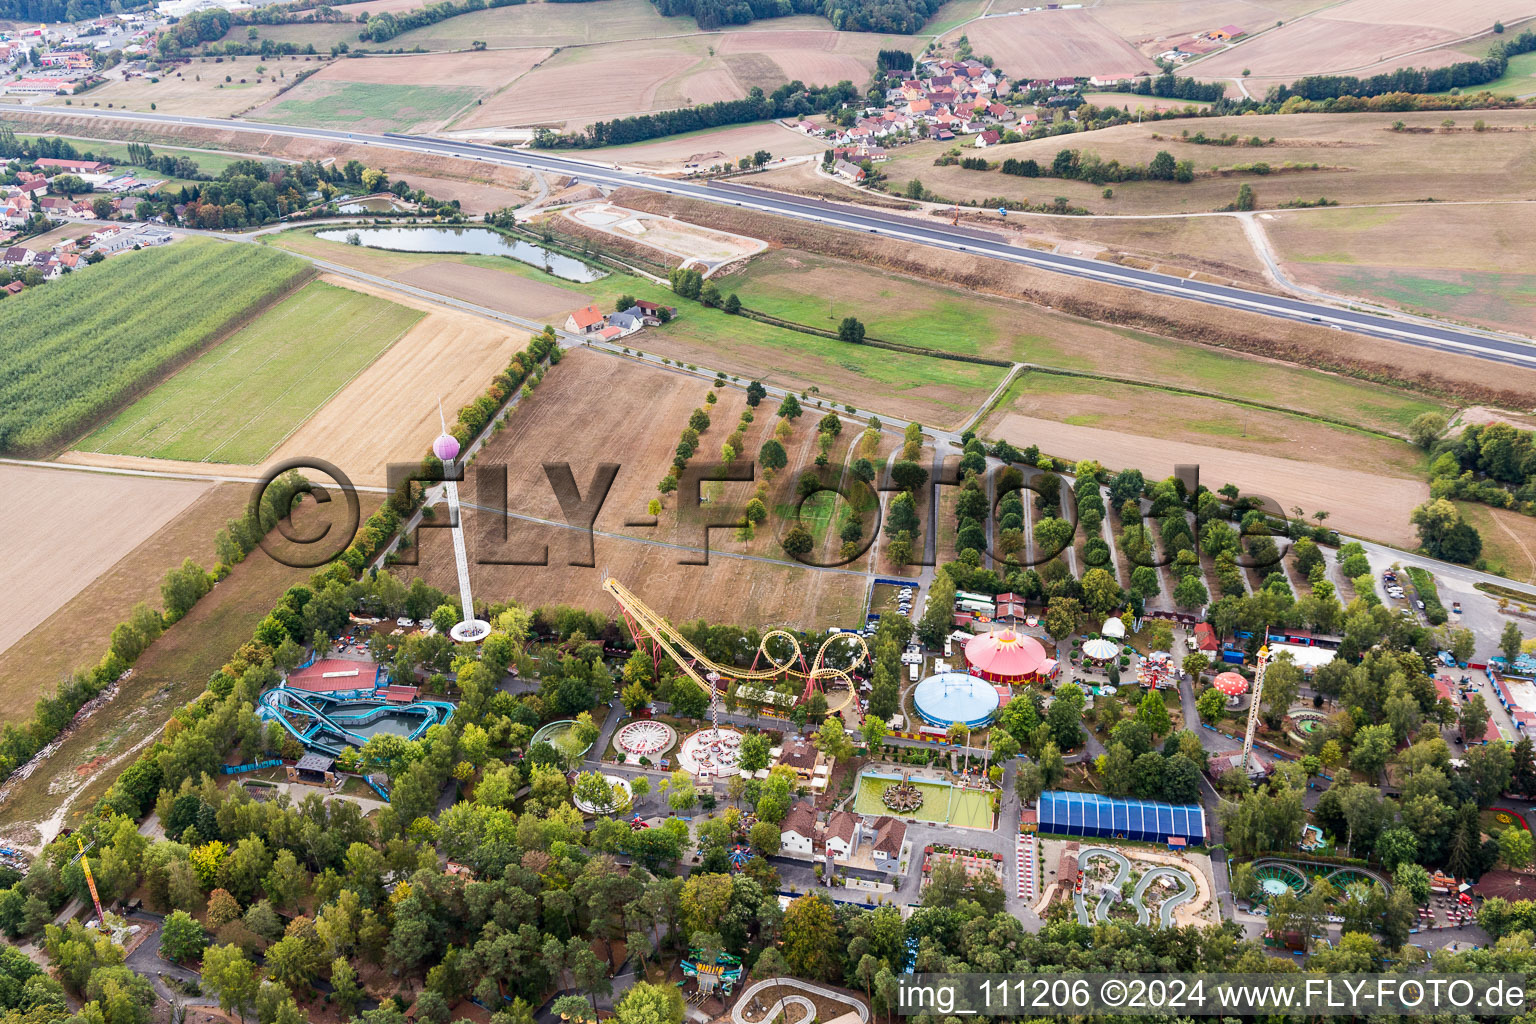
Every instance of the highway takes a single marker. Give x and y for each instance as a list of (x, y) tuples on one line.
[(1440, 337)]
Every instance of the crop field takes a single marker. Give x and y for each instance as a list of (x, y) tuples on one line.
[(386, 413), (1292, 459), (1050, 44), (89, 342), (674, 72), (89, 509), (172, 671), (200, 88), (1359, 158), (239, 401), (1481, 269), (413, 92), (207, 162), (1360, 37)]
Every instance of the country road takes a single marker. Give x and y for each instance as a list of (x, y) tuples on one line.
[(1425, 334)]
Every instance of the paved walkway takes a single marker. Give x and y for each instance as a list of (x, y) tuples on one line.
[(778, 1007)]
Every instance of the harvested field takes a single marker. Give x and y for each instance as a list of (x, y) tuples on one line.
[(594, 408), (1051, 44), (1363, 37), (172, 671), (496, 289), (1480, 270), (801, 179), (1467, 380), (396, 162), (240, 399), (389, 411), (545, 25), (1148, 23), (52, 557), (711, 146), (1360, 504), (372, 108), (1360, 160), (675, 72), (199, 88)]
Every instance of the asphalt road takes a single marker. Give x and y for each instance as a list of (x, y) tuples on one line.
[(1444, 338)]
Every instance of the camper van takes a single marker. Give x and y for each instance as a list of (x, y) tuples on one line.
[(914, 670)]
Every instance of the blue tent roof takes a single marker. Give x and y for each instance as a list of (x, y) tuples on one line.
[(1089, 814)]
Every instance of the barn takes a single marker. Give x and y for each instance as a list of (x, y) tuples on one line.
[(1102, 817)]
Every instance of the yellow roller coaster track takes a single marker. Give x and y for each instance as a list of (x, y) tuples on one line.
[(690, 659)]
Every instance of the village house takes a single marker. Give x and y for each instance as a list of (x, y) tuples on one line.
[(844, 830), (848, 171), (798, 830), (626, 323), (890, 834), (988, 138), (1226, 33), (587, 320), (801, 755)]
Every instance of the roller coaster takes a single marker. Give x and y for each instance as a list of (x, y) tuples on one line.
[(307, 718), (1276, 875), (656, 635)]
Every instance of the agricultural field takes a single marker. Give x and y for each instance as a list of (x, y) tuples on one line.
[(390, 93), (1509, 539), (819, 292), (387, 413), (1152, 25), (1519, 78), (239, 401), (675, 72), (574, 417), (1480, 270), (1051, 44), (1359, 159), (1291, 459), (1360, 37), (105, 516), (89, 342), (208, 161), (173, 670), (712, 145), (200, 88)]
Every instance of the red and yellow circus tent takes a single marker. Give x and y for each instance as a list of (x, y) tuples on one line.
[(1004, 656)]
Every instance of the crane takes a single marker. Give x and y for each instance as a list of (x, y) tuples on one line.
[(90, 882), (654, 632)]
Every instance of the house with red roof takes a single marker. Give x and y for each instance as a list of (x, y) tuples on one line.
[(586, 320)]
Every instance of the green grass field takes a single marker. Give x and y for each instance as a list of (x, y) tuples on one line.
[(1519, 78), (349, 104), (117, 152), (968, 808), (240, 400)]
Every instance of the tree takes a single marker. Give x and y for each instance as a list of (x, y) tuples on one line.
[(1373, 747), (756, 393), (181, 937), (1426, 429), (789, 409), (832, 739), (810, 938), (772, 455), (765, 838), (874, 730), (732, 304), (1061, 618), (1413, 879), (1153, 713), (908, 475), (797, 541), (1444, 534), (231, 977), (1190, 593), (850, 331), (1515, 847), (1397, 846), (681, 792), (1509, 642), (1065, 716), (646, 1003)]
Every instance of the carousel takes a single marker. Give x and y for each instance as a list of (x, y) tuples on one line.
[(713, 753)]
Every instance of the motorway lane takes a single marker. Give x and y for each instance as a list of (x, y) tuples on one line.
[(1444, 338)]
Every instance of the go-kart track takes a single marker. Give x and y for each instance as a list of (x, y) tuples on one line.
[(1187, 889), (1426, 334), (327, 725)]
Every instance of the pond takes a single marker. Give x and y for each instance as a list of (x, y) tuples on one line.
[(372, 204), (476, 241)]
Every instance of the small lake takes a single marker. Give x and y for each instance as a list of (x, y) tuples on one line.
[(373, 204), (475, 241)]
